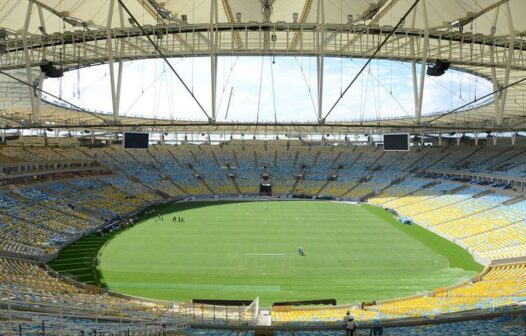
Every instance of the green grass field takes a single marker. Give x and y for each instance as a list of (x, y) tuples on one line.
[(240, 250)]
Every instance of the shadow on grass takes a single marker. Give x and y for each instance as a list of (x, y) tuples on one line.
[(457, 256)]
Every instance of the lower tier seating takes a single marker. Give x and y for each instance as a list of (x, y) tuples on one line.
[(499, 288)]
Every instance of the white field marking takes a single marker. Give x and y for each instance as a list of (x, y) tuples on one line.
[(264, 254)]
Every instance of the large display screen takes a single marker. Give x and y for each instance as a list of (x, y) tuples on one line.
[(136, 140), (396, 142)]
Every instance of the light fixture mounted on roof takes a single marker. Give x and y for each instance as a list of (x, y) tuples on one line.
[(267, 9), (6, 31), (3, 37), (438, 69), (454, 24), (49, 69), (295, 17), (75, 22), (164, 13), (493, 30), (238, 17), (64, 15)]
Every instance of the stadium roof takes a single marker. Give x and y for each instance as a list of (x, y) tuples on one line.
[(483, 37)]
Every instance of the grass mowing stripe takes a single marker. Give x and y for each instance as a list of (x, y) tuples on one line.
[(186, 286), (79, 259)]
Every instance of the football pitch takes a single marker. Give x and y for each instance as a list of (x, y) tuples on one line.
[(240, 250)]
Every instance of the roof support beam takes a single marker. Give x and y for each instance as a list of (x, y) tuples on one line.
[(441, 44), (44, 53), (160, 52), (154, 14), (380, 46), (304, 15), (416, 93), (64, 16), (116, 83), (510, 50), (230, 17), (109, 46), (473, 16), (418, 83), (266, 9), (494, 80), (425, 50), (266, 128), (500, 97), (121, 65), (385, 7), (214, 17), (320, 56), (29, 71)]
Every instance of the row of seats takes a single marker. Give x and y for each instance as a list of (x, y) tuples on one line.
[(30, 286), (36, 296), (481, 220), (501, 326), (37, 219), (501, 160), (499, 288)]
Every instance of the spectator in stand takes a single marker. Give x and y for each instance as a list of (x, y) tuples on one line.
[(346, 318), (351, 326)]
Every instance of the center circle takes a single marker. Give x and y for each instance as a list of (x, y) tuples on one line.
[(243, 250)]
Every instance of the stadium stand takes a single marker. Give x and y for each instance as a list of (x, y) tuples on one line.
[(506, 326), (79, 78), (477, 216), (498, 288), (487, 220), (40, 295)]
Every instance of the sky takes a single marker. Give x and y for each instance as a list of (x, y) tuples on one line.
[(266, 89)]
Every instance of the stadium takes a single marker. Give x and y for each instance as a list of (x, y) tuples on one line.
[(263, 167)]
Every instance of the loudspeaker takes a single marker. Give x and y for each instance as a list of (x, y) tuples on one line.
[(438, 69), (48, 68)]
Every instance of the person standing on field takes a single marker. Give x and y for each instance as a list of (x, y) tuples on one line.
[(301, 251)]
